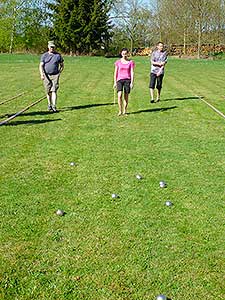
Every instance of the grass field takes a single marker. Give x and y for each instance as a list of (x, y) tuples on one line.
[(133, 247)]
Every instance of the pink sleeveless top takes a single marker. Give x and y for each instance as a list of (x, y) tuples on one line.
[(124, 70)]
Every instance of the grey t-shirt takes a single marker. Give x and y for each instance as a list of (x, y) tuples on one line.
[(158, 56), (51, 62)]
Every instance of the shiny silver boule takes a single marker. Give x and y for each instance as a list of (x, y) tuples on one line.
[(72, 164), (60, 212), (161, 297), (114, 196), (139, 177), (162, 184), (168, 203)]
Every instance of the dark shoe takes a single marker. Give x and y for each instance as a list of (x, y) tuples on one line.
[(157, 100), (152, 101), (49, 107), (54, 109)]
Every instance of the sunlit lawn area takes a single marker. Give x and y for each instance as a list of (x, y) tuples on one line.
[(133, 247)]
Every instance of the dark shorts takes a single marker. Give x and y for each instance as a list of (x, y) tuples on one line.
[(123, 84), (156, 80)]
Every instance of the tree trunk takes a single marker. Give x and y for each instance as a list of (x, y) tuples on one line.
[(131, 45), (184, 40), (13, 31), (199, 39), (12, 39)]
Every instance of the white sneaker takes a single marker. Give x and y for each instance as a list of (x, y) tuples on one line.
[(54, 109)]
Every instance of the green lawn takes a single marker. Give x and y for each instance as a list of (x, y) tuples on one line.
[(133, 247)]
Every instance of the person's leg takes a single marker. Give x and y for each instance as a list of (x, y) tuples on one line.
[(151, 95), (119, 86), (152, 86), (47, 85), (126, 95), (120, 102), (49, 98), (159, 86), (55, 86), (54, 100), (158, 95), (125, 103)]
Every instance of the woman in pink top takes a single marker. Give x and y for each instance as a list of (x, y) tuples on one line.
[(123, 79)]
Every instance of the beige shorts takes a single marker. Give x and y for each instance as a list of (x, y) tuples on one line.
[(51, 83)]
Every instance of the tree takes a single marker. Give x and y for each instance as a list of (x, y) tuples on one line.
[(134, 21), (80, 25), (23, 23), (202, 10), (177, 21), (194, 21), (216, 27)]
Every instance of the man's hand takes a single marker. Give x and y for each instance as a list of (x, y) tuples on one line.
[(131, 85), (42, 76)]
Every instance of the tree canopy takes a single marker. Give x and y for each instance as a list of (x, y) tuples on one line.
[(81, 25), (95, 26)]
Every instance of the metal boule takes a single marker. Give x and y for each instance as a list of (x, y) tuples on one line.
[(162, 184), (168, 203), (114, 196), (161, 297), (60, 212)]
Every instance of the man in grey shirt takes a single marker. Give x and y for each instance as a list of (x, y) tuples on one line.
[(51, 65), (158, 62)]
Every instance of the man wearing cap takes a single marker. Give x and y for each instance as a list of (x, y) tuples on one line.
[(51, 65)]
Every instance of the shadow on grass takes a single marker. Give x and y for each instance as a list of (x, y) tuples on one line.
[(152, 110), (182, 98), (33, 113), (30, 122), (68, 108)]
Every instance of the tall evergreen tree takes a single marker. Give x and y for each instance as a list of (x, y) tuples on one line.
[(81, 25)]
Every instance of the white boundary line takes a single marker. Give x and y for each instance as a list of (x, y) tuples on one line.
[(21, 111), (210, 105), (12, 98)]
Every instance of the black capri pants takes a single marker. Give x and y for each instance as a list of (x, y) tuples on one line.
[(156, 80)]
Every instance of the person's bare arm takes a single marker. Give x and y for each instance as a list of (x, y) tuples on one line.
[(41, 70), (61, 67), (115, 76), (132, 78)]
